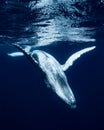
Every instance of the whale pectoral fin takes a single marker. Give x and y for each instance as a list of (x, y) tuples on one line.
[(75, 56), (15, 54), (23, 51)]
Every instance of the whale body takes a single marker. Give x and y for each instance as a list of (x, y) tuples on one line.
[(54, 75)]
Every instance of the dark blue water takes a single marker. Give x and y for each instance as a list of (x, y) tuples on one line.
[(59, 29)]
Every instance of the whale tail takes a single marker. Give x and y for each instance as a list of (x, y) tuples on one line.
[(75, 56)]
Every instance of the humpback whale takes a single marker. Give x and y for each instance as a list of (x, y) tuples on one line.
[(54, 72)]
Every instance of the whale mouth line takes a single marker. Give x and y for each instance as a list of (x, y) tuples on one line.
[(54, 75)]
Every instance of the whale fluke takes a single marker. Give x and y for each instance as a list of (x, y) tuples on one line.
[(54, 75)]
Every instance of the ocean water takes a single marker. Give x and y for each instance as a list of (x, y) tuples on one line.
[(60, 28)]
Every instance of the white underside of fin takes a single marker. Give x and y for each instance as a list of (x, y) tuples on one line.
[(15, 54), (75, 56)]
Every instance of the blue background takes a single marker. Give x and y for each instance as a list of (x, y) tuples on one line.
[(27, 104)]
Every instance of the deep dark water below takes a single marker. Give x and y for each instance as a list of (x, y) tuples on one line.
[(25, 101)]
